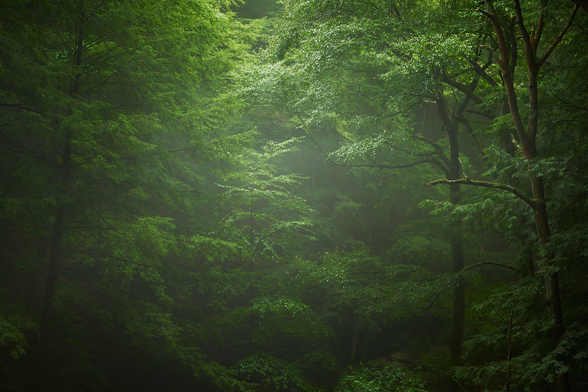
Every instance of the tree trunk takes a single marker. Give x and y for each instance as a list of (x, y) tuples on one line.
[(527, 137), (353, 345), (53, 269), (52, 273), (458, 260), (364, 355), (38, 271), (50, 289)]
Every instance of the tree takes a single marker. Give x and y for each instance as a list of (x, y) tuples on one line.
[(507, 43), (103, 104)]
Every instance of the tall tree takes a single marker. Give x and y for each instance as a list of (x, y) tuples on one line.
[(504, 21), (106, 107)]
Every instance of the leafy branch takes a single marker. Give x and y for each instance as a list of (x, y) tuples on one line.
[(486, 184)]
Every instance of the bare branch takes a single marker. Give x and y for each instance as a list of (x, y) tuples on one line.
[(582, 3), (465, 122)]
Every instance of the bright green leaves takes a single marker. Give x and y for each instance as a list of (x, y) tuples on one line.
[(279, 319), (267, 212)]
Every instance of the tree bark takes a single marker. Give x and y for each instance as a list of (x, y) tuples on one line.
[(527, 137)]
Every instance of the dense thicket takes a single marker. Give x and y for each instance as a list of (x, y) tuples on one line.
[(190, 198)]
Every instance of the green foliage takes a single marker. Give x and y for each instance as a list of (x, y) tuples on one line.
[(227, 199), (14, 323), (391, 378), (517, 312), (272, 371), (278, 320), (112, 120)]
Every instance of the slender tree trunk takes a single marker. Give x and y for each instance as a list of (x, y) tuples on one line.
[(50, 289), (458, 317), (54, 266), (52, 272), (458, 261), (353, 345), (364, 356), (38, 269)]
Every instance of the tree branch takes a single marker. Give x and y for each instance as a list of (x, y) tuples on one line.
[(437, 147), (487, 115), (486, 184), (21, 106), (536, 36), (492, 52), (559, 38), (465, 122), (524, 34), (431, 304), (492, 263), (382, 166), (464, 89), (482, 72)]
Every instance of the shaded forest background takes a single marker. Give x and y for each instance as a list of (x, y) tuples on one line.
[(316, 195)]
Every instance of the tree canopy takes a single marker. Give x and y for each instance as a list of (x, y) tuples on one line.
[(309, 195)]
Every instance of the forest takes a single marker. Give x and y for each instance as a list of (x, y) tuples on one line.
[(293, 195)]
